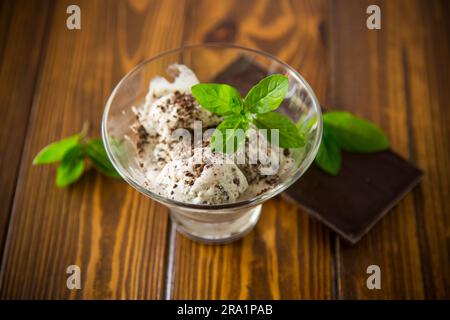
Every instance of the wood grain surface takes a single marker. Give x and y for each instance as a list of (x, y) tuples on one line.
[(21, 43), (399, 86), (54, 79), (117, 236)]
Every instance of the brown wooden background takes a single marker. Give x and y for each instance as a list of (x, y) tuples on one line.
[(53, 79)]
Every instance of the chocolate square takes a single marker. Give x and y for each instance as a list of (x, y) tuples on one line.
[(366, 188)]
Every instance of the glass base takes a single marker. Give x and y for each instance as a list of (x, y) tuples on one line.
[(215, 227)]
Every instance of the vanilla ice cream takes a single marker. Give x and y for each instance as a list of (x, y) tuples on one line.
[(205, 177), (195, 174)]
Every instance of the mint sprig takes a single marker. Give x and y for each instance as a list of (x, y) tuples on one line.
[(343, 131), (72, 153), (257, 108)]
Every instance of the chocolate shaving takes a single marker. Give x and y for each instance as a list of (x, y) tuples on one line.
[(272, 180), (199, 169), (222, 191), (189, 182), (262, 191), (140, 145), (142, 138), (142, 133)]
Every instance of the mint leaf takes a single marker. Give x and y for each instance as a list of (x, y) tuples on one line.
[(56, 150), (226, 137), (71, 167), (355, 134), (289, 135), (306, 123), (329, 157), (220, 99), (95, 150), (267, 95)]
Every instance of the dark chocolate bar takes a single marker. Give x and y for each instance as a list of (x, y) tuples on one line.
[(365, 189)]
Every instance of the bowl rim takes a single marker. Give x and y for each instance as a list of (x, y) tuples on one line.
[(254, 201)]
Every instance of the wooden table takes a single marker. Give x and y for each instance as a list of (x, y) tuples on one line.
[(53, 79)]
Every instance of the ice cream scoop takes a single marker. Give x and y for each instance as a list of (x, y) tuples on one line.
[(176, 169), (204, 177), (174, 111), (183, 79)]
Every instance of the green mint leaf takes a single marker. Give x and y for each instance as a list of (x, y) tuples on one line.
[(329, 155), (71, 167), (95, 150), (267, 95), (226, 138), (56, 150), (355, 134), (220, 99), (289, 135), (306, 123)]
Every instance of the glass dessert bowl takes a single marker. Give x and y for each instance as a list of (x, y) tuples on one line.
[(137, 112)]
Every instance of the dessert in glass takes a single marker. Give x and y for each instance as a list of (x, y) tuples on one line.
[(158, 137)]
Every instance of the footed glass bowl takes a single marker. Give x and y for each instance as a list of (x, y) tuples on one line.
[(211, 223)]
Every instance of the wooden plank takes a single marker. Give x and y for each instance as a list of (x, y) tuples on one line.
[(115, 235), (288, 255), (394, 77), (22, 24)]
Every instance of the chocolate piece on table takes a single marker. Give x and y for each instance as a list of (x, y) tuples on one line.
[(365, 189), (367, 186)]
